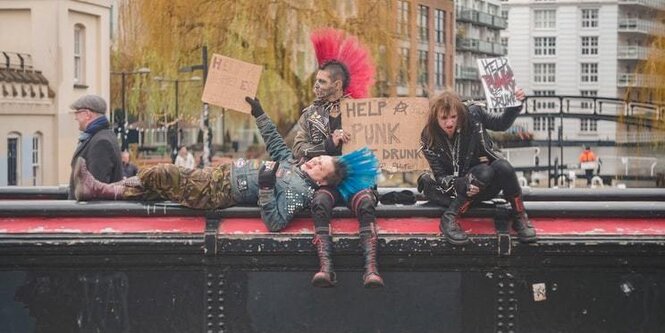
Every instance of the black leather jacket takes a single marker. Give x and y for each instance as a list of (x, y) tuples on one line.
[(475, 145), (314, 137)]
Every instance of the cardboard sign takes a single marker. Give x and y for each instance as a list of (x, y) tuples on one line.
[(499, 82), (229, 82), (390, 127)]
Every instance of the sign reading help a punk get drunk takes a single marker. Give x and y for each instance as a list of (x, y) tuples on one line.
[(390, 127), (230, 81)]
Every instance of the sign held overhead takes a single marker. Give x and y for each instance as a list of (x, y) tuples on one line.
[(229, 81)]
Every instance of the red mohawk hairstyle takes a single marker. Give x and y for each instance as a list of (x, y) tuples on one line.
[(332, 46)]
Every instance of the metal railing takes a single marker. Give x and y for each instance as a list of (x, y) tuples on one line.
[(633, 52), (657, 4), (481, 18), (641, 26), (479, 46)]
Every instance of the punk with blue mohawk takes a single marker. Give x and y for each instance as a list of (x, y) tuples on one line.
[(361, 168)]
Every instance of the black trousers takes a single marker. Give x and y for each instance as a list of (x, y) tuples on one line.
[(495, 177), (362, 204)]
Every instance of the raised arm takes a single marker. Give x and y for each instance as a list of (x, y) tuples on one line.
[(499, 121), (275, 144)]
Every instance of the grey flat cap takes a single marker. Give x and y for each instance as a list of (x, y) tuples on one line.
[(93, 103)]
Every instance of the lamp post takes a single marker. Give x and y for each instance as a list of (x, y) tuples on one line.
[(176, 83), (125, 127), (205, 121)]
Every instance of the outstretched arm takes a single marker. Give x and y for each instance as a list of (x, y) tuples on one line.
[(275, 144)]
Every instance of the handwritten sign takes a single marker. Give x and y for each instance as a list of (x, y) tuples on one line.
[(498, 81), (229, 81), (390, 127)]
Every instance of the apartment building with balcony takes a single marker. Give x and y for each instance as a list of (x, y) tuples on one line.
[(582, 48), (425, 42), (478, 27)]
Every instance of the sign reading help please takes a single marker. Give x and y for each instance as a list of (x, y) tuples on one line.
[(230, 81)]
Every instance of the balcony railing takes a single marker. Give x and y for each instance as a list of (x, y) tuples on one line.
[(636, 80), (657, 4), (633, 52), (479, 46), (641, 26), (466, 73), (480, 18)]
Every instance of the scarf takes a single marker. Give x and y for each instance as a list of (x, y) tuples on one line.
[(93, 127)]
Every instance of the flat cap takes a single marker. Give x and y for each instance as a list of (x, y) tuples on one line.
[(93, 103)]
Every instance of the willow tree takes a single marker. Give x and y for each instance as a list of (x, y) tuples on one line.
[(167, 34), (653, 70)]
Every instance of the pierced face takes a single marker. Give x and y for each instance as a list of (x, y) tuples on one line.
[(318, 168), (324, 87), (448, 122)]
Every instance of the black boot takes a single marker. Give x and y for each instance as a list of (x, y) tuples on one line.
[(520, 221), (371, 278), (449, 226), (325, 278), (87, 188)]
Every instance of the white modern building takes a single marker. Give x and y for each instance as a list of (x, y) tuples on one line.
[(478, 27), (51, 53), (582, 48)]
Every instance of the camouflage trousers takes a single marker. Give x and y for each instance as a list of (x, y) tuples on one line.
[(207, 188)]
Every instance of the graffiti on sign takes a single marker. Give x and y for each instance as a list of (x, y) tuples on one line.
[(498, 81), (390, 127), (230, 81)]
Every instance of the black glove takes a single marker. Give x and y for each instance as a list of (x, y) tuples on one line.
[(257, 110), (267, 176)]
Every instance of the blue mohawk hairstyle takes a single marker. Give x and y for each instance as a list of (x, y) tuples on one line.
[(362, 168)]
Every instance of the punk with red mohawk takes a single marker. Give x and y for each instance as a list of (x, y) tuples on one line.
[(345, 71), (333, 48)]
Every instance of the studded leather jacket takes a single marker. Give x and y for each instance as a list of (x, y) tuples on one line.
[(475, 145), (314, 135), (293, 189)]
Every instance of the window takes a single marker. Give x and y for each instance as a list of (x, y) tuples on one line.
[(589, 18), (403, 76), (541, 124), (422, 68), (544, 46), (439, 66), (504, 14), (544, 73), (589, 125), (545, 103), (440, 26), (590, 45), (544, 18), (403, 18), (423, 20), (504, 42), (589, 72), (588, 104), (36, 159), (13, 161), (79, 54)]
